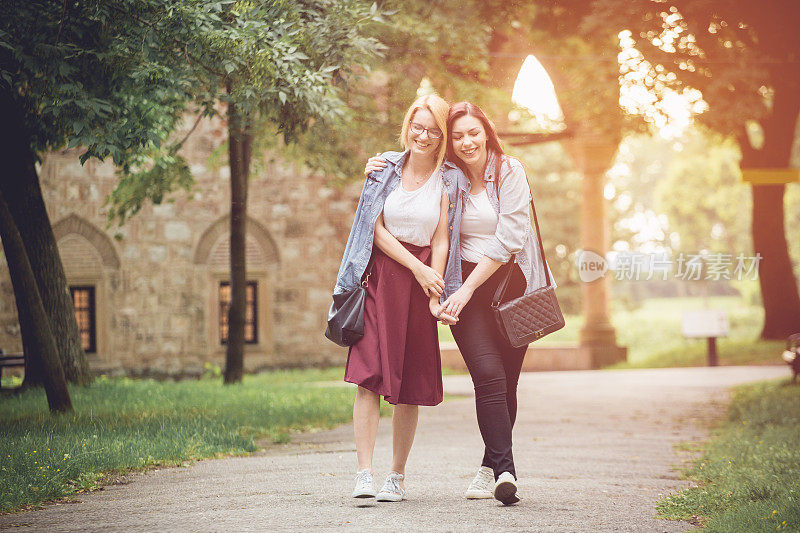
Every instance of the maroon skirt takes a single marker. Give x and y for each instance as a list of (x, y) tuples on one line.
[(398, 356)]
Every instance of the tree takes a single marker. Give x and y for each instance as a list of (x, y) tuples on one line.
[(268, 68), (88, 74), (115, 78), (40, 346), (20, 186), (742, 57), (700, 44)]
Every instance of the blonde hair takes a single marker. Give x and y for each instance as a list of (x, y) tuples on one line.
[(439, 108)]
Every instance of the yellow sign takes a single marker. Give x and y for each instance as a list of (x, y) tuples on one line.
[(770, 176)]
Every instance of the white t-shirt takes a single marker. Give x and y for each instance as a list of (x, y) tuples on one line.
[(412, 216), (478, 225)]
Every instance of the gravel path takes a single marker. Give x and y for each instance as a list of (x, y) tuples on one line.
[(594, 451)]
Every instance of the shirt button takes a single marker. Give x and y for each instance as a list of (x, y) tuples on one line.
[(451, 206), (451, 227), (446, 183)]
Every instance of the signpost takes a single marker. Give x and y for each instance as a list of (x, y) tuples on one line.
[(708, 323)]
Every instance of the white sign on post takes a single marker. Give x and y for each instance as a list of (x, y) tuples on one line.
[(705, 323)]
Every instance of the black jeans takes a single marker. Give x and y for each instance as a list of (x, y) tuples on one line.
[(494, 366)]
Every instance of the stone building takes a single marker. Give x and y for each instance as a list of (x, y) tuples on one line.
[(151, 296)]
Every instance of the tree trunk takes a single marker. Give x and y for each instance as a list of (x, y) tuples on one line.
[(239, 150), (778, 284), (19, 184), (39, 343)]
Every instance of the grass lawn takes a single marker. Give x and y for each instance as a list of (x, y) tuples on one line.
[(749, 474), (121, 425), (653, 336)]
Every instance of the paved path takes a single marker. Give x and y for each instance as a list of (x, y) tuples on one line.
[(594, 451)]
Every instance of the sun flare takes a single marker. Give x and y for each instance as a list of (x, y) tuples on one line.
[(534, 91)]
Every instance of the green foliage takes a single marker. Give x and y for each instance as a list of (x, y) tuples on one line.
[(425, 41), (748, 475), (641, 165), (283, 60), (94, 74), (688, 190), (115, 77), (704, 198), (11, 382), (281, 64), (122, 424), (149, 177), (211, 371)]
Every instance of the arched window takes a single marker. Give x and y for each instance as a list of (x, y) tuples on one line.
[(88, 255), (213, 254)]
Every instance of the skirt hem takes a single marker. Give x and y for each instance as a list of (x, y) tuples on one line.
[(389, 399)]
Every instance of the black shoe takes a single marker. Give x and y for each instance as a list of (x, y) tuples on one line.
[(505, 489)]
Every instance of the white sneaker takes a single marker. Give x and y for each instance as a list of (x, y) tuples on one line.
[(505, 489), (482, 486), (391, 490), (365, 488)]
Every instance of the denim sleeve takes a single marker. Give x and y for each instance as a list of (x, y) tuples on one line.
[(514, 220), (345, 280)]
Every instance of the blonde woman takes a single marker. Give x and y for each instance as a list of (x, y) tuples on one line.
[(398, 244)]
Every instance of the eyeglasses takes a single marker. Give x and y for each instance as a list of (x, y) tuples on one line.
[(433, 133)]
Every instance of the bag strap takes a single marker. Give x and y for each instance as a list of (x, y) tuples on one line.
[(501, 288), (368, 270)]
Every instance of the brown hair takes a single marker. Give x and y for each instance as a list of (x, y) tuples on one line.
[(492, 140)]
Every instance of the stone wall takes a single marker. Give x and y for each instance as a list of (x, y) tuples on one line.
[(157, 278)]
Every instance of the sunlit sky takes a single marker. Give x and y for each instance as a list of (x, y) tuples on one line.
[(534, 91)]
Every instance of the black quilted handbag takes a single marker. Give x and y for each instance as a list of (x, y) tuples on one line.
[(346, 314), (531, 316)]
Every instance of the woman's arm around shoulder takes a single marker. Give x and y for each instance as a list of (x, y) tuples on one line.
[(377, 162)]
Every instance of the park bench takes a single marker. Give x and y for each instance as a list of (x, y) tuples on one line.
[(9, 360), (708, 324), (792, 354)]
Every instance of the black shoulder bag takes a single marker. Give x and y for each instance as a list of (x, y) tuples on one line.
[(531, 316), (346, 314)]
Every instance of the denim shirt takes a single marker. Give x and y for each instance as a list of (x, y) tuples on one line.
[(514, 234), (377, 187)]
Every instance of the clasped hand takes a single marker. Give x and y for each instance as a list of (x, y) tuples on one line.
[(436, 310), (455, 304), (430, 280)]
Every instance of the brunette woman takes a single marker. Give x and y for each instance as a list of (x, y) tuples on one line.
[(398, 246), (492, 226)]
